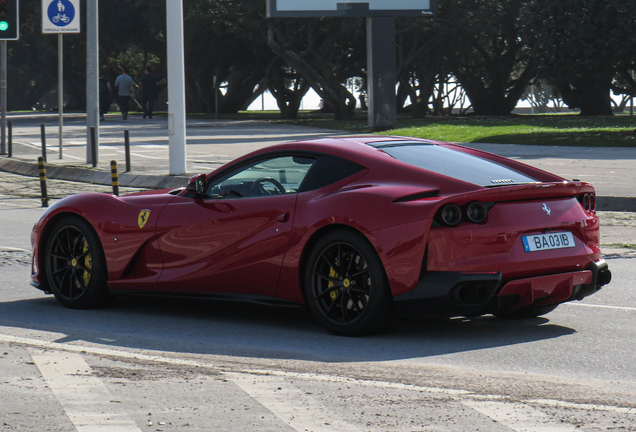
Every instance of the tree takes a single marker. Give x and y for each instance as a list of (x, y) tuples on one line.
[(326, 52), (226, 39), (485, 52), (287, 87), (421, 59), (581, 46), (31, 61)]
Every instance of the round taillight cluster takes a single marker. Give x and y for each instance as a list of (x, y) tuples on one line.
[(588, 201), (476, 212), (452, 214)]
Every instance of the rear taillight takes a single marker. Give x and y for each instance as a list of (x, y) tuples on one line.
[(452, 214), (588, 202), (476, 212)]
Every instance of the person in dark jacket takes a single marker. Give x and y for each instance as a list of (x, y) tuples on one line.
[(105, 96), (148, 83)]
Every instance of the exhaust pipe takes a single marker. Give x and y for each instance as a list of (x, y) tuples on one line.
[(604, 277)]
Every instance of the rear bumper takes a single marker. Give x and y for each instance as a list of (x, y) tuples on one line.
[(461, 294)]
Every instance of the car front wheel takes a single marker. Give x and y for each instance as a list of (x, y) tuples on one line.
[(75, 265)]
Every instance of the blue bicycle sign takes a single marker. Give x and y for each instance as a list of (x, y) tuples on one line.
[(60, 16), (61, 12)]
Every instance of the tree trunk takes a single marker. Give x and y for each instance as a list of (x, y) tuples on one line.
[(334, 95), (287, 88), (591, 96)]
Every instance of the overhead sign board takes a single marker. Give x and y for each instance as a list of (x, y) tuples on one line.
[(60, 16), (358, 8)]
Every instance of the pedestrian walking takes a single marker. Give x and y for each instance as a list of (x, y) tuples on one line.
[(124, 84), (148, 83), (105, 96)]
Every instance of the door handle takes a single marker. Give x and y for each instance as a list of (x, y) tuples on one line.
[(283, 218)]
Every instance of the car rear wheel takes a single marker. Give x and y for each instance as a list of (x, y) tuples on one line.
[(346, 287), (75, 265), (531, 312)]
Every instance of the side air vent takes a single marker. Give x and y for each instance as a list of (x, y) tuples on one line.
[(417, 196), (502, 181)]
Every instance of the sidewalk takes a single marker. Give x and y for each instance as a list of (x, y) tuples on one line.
[(211, 143)]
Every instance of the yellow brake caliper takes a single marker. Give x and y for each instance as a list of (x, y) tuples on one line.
[(333, 294), (88, 264)]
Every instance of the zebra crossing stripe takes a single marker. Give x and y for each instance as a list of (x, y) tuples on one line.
[(84, 397)]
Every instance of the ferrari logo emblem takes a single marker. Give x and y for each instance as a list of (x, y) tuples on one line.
[(546, 209), (143, 218)]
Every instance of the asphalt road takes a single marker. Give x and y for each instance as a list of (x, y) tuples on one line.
[(165, 364)]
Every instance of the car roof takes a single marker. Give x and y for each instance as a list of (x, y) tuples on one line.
[(350, 147), (369, 151)]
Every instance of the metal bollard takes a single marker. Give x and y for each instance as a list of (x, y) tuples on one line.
[(93, 147), (114, 177), (127, 146), (43, 137), (10, 130), (42, 171)]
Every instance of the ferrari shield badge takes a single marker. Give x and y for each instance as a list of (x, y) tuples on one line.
[(143, 218)]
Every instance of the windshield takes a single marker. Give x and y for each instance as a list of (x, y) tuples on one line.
[(456, 164)]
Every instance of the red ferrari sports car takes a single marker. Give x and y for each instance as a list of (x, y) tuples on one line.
[(355, 228)]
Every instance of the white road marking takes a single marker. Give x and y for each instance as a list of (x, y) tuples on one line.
[(203, 167), (145, 156), (602, 306), (85, 398), (519, 417), (13, 249), (299, 410), (152, 146), (73, 157)]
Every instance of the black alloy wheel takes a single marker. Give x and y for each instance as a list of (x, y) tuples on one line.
[(346, 287), (75, 266)]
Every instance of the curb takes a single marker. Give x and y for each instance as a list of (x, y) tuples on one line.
[(618, 204), (93, 175)]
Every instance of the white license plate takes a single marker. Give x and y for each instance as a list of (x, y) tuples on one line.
[(549, 241)]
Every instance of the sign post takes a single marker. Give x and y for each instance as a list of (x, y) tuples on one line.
[(59, 17)]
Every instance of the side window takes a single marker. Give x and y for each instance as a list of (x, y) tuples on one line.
[(328, 170), (275, 176)]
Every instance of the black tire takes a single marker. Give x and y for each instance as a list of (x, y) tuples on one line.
[(346, 287), (75, 266), (529, 312)]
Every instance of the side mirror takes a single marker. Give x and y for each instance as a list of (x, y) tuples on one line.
[(197, 184)]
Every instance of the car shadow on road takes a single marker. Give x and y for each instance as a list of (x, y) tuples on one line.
[(271, 332)]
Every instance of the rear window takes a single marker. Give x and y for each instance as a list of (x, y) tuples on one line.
[(456, 164)]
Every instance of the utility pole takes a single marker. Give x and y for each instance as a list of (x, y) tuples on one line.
[(176, 88), (3, 94), (92, 78)]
